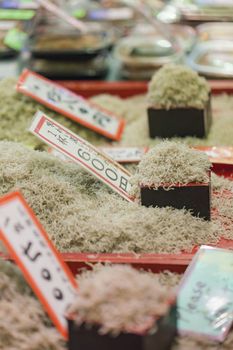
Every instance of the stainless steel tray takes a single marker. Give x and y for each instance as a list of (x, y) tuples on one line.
[(213, 59)]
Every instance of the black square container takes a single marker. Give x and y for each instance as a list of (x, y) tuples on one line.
[(84, 338), (194, 196), (179, 121)]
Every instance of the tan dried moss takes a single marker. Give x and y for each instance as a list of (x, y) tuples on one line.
[(92, 305), (16, 112), (130, 299), (23, 323), (170, 163), (177, 86), (137, 134), (82, 215)]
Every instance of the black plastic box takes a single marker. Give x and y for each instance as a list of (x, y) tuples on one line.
[(194, 196), (179, 121), (84, 338)]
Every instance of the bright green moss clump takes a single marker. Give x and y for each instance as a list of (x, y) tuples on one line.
[(177, 86)]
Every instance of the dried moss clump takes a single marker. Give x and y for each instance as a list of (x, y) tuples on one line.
[(23, 323), (16, 112), (136, 133), (177, 86), (170, 163), (82, 215), (120, 299)]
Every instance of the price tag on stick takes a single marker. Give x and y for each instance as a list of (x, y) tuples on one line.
[(70, 105), (82, 152), (41, 264)]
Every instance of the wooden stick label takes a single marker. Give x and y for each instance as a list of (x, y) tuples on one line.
[(90, 158), (70, 105), (41, 264)]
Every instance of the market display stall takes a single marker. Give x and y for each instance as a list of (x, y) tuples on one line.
[(116, 175)]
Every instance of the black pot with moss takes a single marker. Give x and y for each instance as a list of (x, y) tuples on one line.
[(173, 175), (162, 337), (179, 103)]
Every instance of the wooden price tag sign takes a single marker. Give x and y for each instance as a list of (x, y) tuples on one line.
[(90, 158), (39, 261), (70, 105)]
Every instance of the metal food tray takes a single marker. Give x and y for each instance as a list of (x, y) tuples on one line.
[(69, 54), (221, 67)]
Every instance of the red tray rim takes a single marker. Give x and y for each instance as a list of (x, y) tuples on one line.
[(129, 88)]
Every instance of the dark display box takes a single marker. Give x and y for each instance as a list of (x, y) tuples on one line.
[(84, 338), (194, 196), (179, 121)]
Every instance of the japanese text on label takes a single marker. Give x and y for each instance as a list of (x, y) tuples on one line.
[(71, 105), (42, 267), (79, 150)]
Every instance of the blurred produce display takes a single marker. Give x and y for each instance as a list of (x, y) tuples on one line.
[(203, 10), (120, 39)]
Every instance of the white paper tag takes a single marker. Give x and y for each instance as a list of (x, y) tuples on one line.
[(71, 105), (125, 154), (82, 152), (41, 264), (205, 297)]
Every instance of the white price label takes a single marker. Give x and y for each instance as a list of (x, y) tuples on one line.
[(41, 264), (82, 152), (125, 154), (71, 105)]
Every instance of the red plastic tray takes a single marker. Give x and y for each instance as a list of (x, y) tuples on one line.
[(154, 262), (126, 89)]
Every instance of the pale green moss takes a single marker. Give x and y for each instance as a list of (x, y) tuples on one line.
[(23, 323), (136, 132), (81, 214), (119, 298), (17, 111), (176, 86), (170, 163)]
